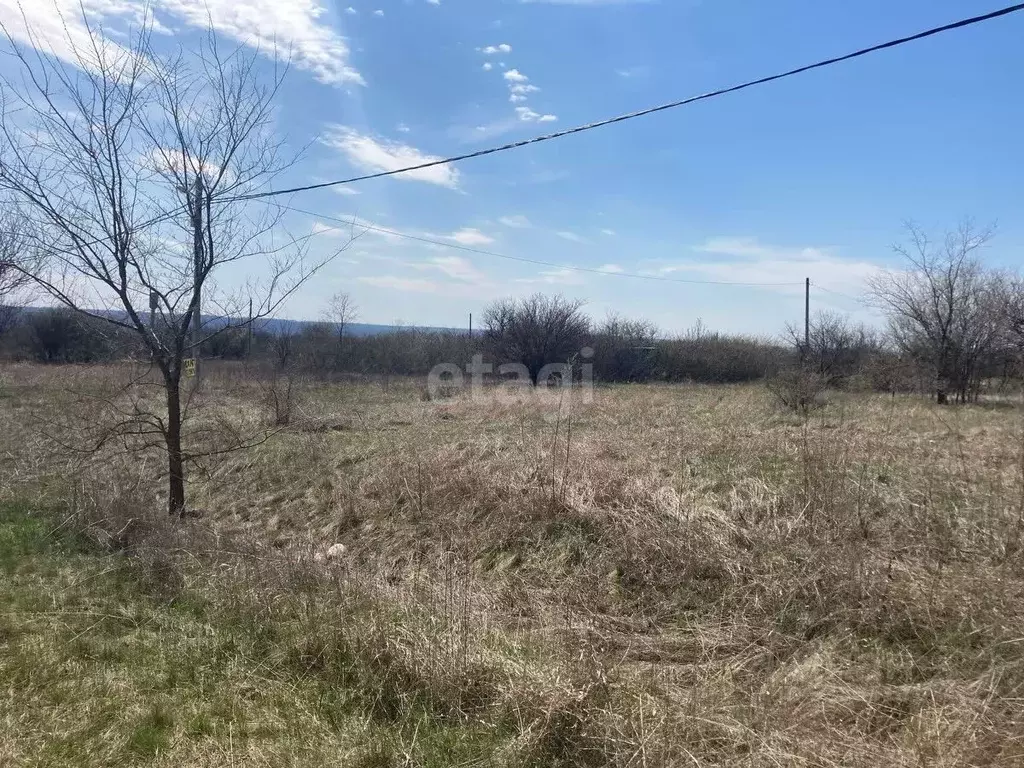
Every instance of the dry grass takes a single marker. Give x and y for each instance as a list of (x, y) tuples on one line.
[(664, 576)]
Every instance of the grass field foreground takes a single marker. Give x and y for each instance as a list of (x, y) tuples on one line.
[(663, 576)]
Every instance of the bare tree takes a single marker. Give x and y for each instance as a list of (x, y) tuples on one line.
[(535, 331), (838, 348), (945, 309), (130, 171), (340, 313)]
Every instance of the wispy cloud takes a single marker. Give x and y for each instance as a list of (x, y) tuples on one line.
[(298, 28), (490, 50), (470, 236), (751, 247), (516, 222), (374, 154), (631, 72), (394, 282), (463, 278), (571, 237), (455, 267), (519, 92), (563, 276), (747, 259), (353, 226)]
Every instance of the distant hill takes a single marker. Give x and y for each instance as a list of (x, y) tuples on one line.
[(291, 327), (273, 325)]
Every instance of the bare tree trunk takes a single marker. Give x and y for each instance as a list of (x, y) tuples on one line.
[(172, 435)]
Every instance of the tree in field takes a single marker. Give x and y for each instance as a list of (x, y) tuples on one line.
[(838, 348), (945, 309), (340, 313), (126, 169), (536, 331)]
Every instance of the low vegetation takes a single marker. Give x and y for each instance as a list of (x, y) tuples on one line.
[(667, 575)]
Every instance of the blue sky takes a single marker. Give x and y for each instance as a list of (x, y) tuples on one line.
[(810, 177)]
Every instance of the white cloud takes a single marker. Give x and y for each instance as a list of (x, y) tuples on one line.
[(755, 262), (751, 247), (563, 276), (454, 267), (465, 280), (352, 226), (402, 128), (611, 268), (378, 12), (488, 66), (434, 2), (630, 72), (519, 91), (172, 162), (490, 50), (515, 76), (571, 236), (401, 283), (609, 232), (516, 222), (375, 154), (469, 236), (351, 11), (527, 115), (298, 28)]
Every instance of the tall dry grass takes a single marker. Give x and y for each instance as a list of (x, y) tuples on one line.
[(664, 576)]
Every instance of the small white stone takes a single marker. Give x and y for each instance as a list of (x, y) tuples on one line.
[(335, 552)]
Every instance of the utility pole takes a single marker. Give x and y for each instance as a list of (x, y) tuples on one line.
[(471, 325), (807, 316), (248, 335), (197, 252)]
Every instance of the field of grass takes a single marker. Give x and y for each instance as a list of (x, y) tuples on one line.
[(667, 575)]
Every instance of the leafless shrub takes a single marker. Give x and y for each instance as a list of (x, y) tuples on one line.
[(280, 397), (536, 331), (798, 388)]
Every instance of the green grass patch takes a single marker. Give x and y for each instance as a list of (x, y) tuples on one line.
[(101, 670)]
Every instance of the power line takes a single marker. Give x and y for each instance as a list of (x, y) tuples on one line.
[(651, 110), (359, 225)]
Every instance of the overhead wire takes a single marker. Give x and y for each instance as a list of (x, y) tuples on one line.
[(962, 23)]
